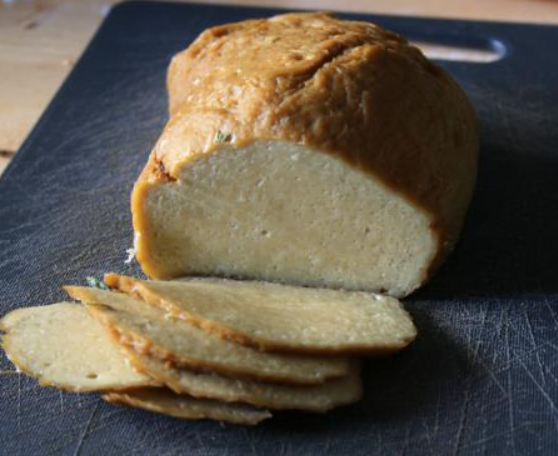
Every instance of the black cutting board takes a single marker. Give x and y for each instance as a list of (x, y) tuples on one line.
[(482, 378)]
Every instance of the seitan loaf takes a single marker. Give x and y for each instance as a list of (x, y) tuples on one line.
[(308, 150)]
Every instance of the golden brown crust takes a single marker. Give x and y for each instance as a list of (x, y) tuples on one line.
[(142, 227)]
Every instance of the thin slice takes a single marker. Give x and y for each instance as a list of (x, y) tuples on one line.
[(63, 346), (162, 400), (153, 332), (319, 398), (278, 317)]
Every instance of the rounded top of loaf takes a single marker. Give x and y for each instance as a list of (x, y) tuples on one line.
[(257, 62), (347, 88)]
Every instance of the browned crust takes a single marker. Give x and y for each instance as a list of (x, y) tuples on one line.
[(386, 130), (143, 231), (152, 175), (138, 289), (154, 171)]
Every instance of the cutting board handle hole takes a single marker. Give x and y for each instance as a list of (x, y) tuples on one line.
[(478, 51)]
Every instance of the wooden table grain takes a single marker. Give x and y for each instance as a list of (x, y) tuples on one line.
[(40, 40)]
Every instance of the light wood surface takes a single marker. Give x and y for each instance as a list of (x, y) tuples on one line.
[(40, 40)]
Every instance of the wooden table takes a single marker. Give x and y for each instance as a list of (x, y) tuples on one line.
[(40, 41)]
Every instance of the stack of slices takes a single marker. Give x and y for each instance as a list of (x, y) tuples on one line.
[(207, 348)]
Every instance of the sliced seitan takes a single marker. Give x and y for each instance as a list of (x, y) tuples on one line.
[(64, 347), (153, 331), (278, 317), (164, 401), (318, 398)]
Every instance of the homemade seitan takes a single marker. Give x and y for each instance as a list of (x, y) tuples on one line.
[(318, 398), (276, 317), (307, 150), (150, 331), (164, 401), (63, 346)]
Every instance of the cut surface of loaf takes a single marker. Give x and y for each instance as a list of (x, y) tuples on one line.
[(150, 330), (319, 398), (278, 317), (63, 346), (308, 150), (164, 401)]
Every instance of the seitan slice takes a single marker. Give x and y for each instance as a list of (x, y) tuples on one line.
[(151, 331), (162, 400), (278, 317), (319, 398), (63, 346)]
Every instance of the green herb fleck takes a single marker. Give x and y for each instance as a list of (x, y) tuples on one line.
[(94, 282), (221, 137)]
